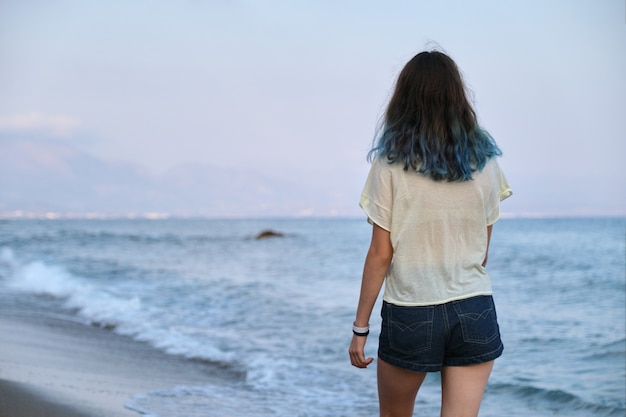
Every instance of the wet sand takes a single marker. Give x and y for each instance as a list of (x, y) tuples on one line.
[(56, 366), (23, 400)]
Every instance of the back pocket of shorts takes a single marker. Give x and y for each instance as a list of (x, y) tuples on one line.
[(478, 320), (410, 328)]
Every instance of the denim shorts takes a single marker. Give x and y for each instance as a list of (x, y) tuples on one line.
[(425, 339)]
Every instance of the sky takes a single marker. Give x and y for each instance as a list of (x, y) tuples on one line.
[(269, 107)]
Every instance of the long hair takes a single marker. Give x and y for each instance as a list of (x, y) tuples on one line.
[(430, 126)]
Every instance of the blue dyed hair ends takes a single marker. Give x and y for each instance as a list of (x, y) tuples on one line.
[(430, 126)]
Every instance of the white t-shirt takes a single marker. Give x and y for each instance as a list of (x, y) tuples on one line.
[(438, 231)]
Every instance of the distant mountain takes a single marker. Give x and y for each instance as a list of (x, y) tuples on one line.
[(39, 176)]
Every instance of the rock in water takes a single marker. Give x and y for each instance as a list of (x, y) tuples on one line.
[(268, 233)]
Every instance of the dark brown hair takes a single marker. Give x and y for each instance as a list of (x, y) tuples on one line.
[(430, 125)]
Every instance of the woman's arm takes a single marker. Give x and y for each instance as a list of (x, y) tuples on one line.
[(377, 263)]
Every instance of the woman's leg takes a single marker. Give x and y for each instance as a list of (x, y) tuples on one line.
[(397, 389), (462, 389)]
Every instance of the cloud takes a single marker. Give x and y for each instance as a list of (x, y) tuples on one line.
[(54, 125)]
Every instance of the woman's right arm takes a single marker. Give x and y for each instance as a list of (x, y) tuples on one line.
[(377, 263)]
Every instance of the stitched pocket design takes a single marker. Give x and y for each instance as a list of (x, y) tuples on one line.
[(410, 328), (478, 320)]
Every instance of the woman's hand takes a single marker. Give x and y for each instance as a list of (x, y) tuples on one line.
[(357, 352)]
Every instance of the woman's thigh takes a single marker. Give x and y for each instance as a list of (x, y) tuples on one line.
[(397, 389), (462, 389)]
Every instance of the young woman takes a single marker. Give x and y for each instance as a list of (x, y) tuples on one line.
[(432, 196)]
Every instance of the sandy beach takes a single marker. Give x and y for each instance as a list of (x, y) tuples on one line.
[(56, 366)]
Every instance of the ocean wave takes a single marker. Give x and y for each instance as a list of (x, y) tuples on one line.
[(106, 307), (607, 354), (556, 399), (98, 237)]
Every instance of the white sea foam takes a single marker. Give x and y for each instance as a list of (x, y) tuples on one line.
[(99, 305)]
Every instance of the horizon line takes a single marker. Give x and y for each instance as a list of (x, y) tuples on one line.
[(153, 215)]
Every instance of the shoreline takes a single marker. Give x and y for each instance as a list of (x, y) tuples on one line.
[(54, 366)]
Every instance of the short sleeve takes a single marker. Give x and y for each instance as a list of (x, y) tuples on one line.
[(500, 191), (377, 196)]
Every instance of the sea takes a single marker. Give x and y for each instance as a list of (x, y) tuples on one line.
[(280, 310)]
